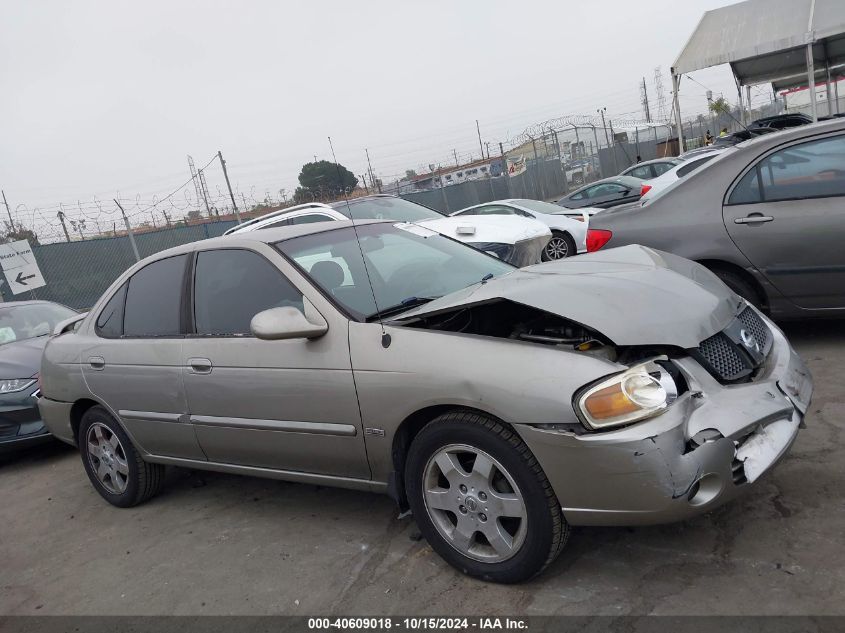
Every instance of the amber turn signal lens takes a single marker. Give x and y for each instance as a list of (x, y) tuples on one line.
[(609, 402)]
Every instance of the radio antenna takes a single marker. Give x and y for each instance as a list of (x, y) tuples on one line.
[(385, 337)]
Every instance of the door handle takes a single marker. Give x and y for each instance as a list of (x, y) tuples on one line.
[(200, 365), (97, 362), (754, 218)]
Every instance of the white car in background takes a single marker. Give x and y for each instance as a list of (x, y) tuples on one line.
[(517, 240), (650, 188), (568, 226)]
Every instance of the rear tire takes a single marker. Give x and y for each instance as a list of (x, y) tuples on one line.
[(740, 286), (112, 463), (559, 247), (494, 515)]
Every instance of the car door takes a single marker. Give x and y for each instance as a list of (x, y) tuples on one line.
[(787, 215), (133, 363), (286, 404)]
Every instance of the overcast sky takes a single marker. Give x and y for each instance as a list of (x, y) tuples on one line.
[(108, 96)]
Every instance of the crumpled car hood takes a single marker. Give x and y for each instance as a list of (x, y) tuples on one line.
[(504, 229), (633, 295)]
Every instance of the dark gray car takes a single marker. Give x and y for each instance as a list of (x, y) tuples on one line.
[(767, 216), (604, 194), (24, 329)]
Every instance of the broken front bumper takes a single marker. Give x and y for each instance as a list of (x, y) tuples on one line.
[(711, 444)]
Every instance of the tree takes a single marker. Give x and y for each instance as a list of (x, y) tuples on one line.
[(410, 174), (323, 178), (19, 232), (719, 106)]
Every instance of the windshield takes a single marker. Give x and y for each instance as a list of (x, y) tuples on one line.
[(21, 322), (407, 264), (387, 208)]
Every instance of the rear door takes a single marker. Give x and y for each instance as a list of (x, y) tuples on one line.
[(289, 404), (134, 362), (787, 215)]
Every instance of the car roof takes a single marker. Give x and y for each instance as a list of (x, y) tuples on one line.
[(668, 159), (264, 236)]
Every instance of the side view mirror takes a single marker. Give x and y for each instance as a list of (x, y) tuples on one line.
[(278, 324)]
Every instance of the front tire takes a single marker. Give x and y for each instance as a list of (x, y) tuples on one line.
[(481, 499), (559, 247), (112, 463)]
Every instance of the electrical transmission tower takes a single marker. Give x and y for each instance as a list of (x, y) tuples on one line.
[(662, 114), (200, 185), (644, 101)]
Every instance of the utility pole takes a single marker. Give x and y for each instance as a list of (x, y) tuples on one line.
[(480, 144), (231, 195), (128, 231), (61, 216), (373, 182), (243, 198), (504, 160), (363, 178), (9, 211), (455, 154), (645, 102), (199, 184), (607, 138)]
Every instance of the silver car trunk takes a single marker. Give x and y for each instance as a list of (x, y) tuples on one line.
[(664, 299)]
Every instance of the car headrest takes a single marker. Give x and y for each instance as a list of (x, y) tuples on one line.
[(327, 273)]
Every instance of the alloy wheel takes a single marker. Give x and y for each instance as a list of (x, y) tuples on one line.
[(557, 248), (107, 458), (474, 503)]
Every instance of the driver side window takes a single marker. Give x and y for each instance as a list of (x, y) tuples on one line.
[(233, 285)]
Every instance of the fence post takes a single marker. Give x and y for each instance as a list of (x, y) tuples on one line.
[(505, 169), (129, 231)]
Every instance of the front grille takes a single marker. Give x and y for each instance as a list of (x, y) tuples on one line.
[(752, 321), (723, 358), (735, 353)]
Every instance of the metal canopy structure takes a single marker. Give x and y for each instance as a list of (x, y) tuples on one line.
[(787, 43)]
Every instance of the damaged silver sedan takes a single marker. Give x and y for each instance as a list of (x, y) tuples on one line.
[(499, 405)]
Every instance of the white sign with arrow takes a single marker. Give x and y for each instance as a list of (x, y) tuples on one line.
[(19, 267)]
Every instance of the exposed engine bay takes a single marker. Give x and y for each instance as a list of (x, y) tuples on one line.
[(502, 318)]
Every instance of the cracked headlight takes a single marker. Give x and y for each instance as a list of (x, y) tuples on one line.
[(638, 393), (11, 385)]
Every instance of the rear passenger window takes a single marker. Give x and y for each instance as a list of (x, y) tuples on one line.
[(643, 172), (747, 190), (110, 322), (233, 285), (154, 299), (809, 170), (661, 168)]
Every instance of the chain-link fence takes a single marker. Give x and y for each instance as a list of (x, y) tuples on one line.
[(77, 273)]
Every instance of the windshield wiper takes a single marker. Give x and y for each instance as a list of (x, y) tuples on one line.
[(402, 306)]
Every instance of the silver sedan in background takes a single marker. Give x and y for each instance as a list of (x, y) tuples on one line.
[(500, 405), (767, 216)]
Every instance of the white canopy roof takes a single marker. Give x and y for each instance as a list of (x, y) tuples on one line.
[(765, 41)]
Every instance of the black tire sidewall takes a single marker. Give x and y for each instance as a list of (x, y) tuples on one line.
[(740, 286), (98, 414), (534, 552)]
